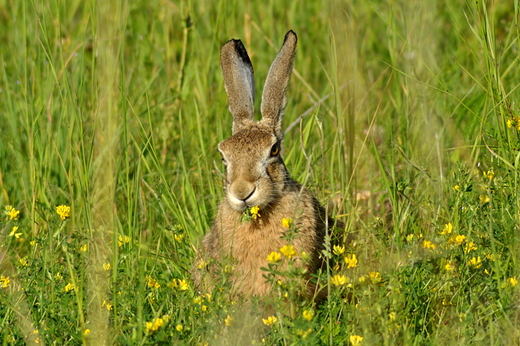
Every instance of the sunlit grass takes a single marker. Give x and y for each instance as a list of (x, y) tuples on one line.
[(404, 123)]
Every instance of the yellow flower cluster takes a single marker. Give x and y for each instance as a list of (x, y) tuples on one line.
[(286, 222), (449, 266), (228, 321), (180, 284), (12, 212), (63, 211), (304, 333), (429, 245), (123, 240), (5, 281), (269, 321), (288, 251), (475, 262), (154, 325), (107, 304), (374, 277), (14, 234), (70, 287), (457, 239), (351, 260), (448, 228), (151, 282), (308, 314), (355, 340), (255, 212), (513, 122), (339, 280), (512, 281), (274, 257), (338, 250)]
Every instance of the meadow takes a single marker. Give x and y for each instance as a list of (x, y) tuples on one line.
[(402, 119)]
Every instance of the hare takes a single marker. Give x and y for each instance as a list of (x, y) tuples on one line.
[(257, 177)]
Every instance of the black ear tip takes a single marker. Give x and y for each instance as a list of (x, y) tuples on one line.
[(241, 51), (290, 34)]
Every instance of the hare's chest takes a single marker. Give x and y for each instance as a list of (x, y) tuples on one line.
[(252, 244)]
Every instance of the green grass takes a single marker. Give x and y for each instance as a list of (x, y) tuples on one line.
[(117, 112)]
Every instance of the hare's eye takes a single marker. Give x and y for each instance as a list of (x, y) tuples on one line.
[(224, 161), (275, 150)]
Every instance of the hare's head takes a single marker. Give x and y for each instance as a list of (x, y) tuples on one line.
[(255, 172)]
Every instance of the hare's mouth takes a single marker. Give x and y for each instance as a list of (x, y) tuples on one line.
[(240, 204)]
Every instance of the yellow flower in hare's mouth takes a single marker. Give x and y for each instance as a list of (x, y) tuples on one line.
[(255, 212)]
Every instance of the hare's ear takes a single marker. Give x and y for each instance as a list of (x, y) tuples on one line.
[(273, 97), (239, 82)]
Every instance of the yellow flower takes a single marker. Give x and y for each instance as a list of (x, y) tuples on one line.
[(107, 266), (255, 212), (154, 325), (449, 266), (512, 281), (70, 287), (182, 285), (288, 251), (457, 239), (179, 327), (409, 237), (456, 187), (269, 321), (86, 332), (448, 228), (13, 232), (484, 199), (178, 237), (510, 123), (107, 304), (151, 282), (356, 340), (274, 257), (308, 314), (202, 264), (392, 316), (228, 321), (304, 334), (429, 245), (338, 250), (123, 240), (489, 174), (469, 247), (286, 222), (475, 262), (12, 212), (375, 277), (23, 261), (84, 248), (351, 260), (5, 281), (63, 211), (338, 280)]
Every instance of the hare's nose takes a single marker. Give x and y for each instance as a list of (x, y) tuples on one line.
[(242, 190)]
